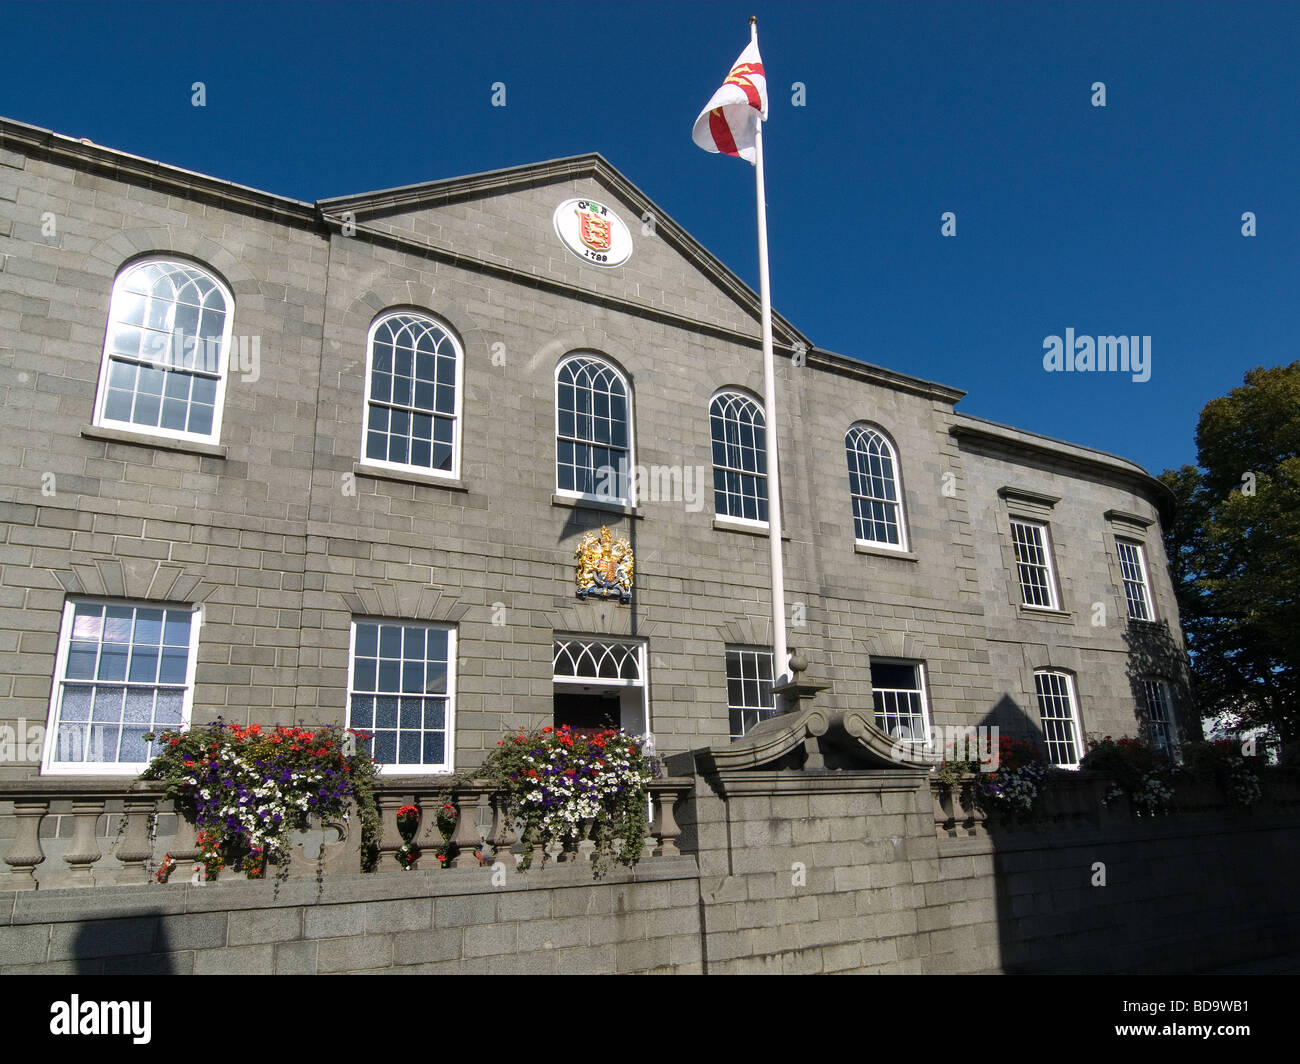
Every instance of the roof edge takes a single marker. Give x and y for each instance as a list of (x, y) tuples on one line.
[(889, 378), (89, 155), (1112, 465)]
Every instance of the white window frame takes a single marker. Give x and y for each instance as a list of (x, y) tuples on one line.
[(737, 393), (775, 710), (449, 745), (1076, 726), (918, 670), (105, 362), (866, 429), (1170, 723), (568, 493), (1045, 545), (50, 766), (1139, 554), (457, 420)]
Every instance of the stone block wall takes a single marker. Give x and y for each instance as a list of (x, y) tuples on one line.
[(452, 921), (847, 875), (794, 873)]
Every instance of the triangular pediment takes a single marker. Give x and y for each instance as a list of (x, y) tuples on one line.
[(501, 224)]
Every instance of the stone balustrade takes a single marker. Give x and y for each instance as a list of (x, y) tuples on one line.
[(484, 831), (67, 832), (1078, 800)]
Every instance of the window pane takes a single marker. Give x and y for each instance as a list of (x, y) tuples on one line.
[(139, 705), (434, 748), (144, 665), (108, 704), (176, 629), (364, 674), (390, 641), (368, 639), (76, 703), (169, 707), (363, 713), (409, 749), (134, 747), (386, 747), (385, 712), (81, 660), (112, 662)]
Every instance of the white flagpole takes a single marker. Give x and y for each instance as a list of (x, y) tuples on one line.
[(780, 653)]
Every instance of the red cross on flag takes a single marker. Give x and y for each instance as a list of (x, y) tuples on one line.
[(729, 122)]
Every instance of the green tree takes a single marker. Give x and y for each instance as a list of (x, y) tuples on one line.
[(1234, 552)]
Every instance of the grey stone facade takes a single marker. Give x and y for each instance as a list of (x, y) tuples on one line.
[(285, 536)]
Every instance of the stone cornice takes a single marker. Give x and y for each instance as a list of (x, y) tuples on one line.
[(1065, 455), (886, 378), (85, 155)]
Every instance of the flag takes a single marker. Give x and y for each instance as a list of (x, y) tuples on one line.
[(729, 121)]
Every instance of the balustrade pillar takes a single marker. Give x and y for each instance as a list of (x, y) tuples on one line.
[(84, 850), (135, 850), (586, 848), (665, 826), (465, 839), (390, 839), (943, 819), (503, 835), (184, 849), (25, 852)]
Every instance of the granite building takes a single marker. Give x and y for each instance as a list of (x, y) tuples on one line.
[(280, 461)]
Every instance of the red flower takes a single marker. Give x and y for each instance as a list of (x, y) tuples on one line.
[(174, 742)]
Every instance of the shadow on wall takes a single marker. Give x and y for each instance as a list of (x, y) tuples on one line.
[(1023, 889), (1091, 889), (1071, 898), (1153, 655), (137, 945)]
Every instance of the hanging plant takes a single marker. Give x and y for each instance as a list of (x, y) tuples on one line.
[(1013, 789), (559, 781), (247, 789), (408, 820)]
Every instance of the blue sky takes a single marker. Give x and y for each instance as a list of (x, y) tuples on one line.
[(1117, 220)]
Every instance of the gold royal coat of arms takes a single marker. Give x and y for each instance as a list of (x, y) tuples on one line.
[(604, 566)]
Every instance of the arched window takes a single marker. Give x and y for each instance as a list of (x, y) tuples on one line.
[(873, 483), (739, 457), (413, 374), (166, 351), (593, 431)]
